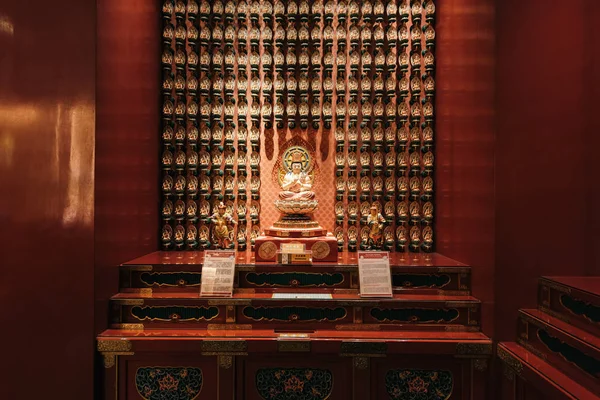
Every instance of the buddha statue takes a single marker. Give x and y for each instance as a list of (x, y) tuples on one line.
[(296, 184), (295, 173)]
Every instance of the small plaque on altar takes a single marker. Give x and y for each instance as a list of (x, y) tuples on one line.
[(293, 248), (286, 258), (218, 273), (305, 296), (375, 278)]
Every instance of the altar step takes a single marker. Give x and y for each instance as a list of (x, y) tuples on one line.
[(300, 326), (558, 350), (528, 376), (266, 364), (568, 348), (411, 274), (323, 341), (347, 311), (575, 300)]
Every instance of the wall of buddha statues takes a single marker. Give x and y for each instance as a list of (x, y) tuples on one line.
[(354, 80)]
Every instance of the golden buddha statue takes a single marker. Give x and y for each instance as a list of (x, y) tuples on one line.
[(296, 184), (295, 175)]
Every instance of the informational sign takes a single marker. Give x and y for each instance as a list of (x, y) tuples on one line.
[(374, 274), (218, 273)]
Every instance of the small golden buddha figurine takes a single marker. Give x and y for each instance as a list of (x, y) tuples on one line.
[(375, 222), (221, 221)]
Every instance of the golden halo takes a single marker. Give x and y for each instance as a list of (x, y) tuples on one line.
[(295, 154), (296, 149)]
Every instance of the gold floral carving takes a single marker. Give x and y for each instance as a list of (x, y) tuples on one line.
[(140, 268), (556, 286), (361, 362), (363, 348), (480, 364), (130, 327), (221, 327), (224, 346), (293, 346), (225, 361), (357, 327), (473, 349), (112, 345), (110, 349), (510, 361), (130, 302)]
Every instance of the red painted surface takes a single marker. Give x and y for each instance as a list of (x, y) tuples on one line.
[(591, 82), (546, 177), (345, 258), (399, 298), (465, 57), (127, 137), (399, 341), (46, 198)]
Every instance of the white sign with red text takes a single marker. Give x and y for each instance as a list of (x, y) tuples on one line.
[(374, 274), (218, 273)]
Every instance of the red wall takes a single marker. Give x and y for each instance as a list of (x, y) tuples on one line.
[(546, 148), (465, 57), (47, 110), (127, 138), (591, 82)]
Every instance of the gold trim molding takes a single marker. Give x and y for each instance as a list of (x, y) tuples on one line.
[(293, 346), (473, 349), (129, 302), (111, 348), (480, 364), (361, 363), (366, 349), (225, 361), (215, 347), (129, 327), (113, 345), (510, 361), (140, 268), (556, 286)]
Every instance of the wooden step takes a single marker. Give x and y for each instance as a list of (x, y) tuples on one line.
[(253, 364), (257, 310), (569, 349), (575, 300), (520, 363), (323, 341), (176, 272)]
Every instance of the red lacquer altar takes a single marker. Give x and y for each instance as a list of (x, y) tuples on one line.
[(164, 338)]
